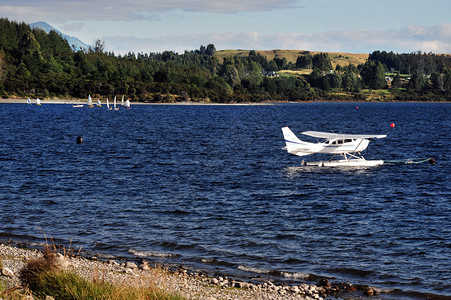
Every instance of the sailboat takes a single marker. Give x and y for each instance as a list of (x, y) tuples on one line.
[(38, 101), (29, 101), (89, 103), (108, 105), (127, 104), (122, 101), (115, 108), (99, 104)]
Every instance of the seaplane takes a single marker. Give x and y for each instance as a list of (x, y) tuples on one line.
[(348, 146)]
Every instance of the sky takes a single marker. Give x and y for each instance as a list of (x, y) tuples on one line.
[(144, 26)]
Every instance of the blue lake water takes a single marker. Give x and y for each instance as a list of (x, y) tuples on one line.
[(209, 186)]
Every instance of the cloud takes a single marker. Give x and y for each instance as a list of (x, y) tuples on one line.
[(75, 26), (100, 10), (435, 39)]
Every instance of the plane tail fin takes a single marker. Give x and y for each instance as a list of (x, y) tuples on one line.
[(293, 144)]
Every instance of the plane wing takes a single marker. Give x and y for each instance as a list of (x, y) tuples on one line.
[(330, 135)]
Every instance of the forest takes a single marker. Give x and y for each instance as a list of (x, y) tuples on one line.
[(36, 64)]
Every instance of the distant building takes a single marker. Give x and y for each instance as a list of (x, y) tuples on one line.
[(270, 73)]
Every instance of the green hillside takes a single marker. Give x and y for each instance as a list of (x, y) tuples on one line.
[(34, 63)]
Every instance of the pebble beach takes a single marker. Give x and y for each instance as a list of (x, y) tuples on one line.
[(188, 284)]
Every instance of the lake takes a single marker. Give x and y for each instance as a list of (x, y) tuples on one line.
[(209, 187)]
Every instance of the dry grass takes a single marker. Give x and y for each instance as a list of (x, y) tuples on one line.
[(44, 276), (338, 58), (296, 73)]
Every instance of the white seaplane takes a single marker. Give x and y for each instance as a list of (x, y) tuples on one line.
[(348, 146)]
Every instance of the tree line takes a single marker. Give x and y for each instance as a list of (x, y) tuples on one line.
[(36, 64)]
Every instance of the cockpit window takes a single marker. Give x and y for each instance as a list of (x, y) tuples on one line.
[(340, 142)]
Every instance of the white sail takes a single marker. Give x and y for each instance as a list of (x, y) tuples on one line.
[(115, 108), (29, 101), (99, 104), (107, 104), (127, 103), (122, 101), (38, 101), (89, 103)]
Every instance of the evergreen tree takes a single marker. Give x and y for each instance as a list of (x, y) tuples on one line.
[(322, 62), (211, 50), (396, 82), (373, 74), (304, 61)]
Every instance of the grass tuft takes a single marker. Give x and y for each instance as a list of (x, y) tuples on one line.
[(44, 278)]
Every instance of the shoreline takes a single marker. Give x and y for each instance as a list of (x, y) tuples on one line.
[(83, 101), (80, 101), (187, 283)]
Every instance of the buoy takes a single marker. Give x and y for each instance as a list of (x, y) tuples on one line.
[(356, 107), (392, 125), (79, 140)]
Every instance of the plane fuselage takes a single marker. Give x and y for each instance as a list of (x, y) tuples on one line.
[(336, 146)]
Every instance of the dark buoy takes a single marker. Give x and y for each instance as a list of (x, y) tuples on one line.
[(431, 161), (79, 140)]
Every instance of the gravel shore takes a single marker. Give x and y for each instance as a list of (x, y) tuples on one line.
[(183, 282)]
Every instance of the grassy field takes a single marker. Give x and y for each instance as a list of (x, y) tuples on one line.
[(295, 73), (337, 58)]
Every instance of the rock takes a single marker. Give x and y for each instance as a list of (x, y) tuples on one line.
[(182, 270), (113, 262), (345, 286), (224, 283), (131, 265), (7, 272), (214, 281), (303, 287), (323, 291), (294, 289), (350, 289), (324, 282), (312, 289), (144, 265), (368, 292), (61, 261)]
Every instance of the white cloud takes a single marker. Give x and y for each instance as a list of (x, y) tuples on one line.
[(75, 26), (405, 40), (100, 10)]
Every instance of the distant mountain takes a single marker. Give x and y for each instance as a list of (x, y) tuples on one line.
[(70, 39)]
